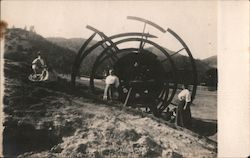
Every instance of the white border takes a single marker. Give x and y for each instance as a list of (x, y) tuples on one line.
[(233, 90)]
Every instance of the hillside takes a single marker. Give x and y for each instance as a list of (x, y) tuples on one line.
[(22, 45), (73, 44), (59, 53), (182, 62), (211, 61), (56, 120), (53, 120)]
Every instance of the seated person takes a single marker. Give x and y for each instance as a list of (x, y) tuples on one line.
[(44, 74), (38, 64), (112, 83)]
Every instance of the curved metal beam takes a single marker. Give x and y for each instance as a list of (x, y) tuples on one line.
[(103, 36), (165, 102), (147, 35), (158, 47), (76, 62), (192, 62), (98, 61), (148, 22), (82, 54), (111, 37)]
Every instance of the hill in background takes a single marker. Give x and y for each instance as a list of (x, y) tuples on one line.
[(182, 62), (211, 61), (73, 44), (52, 120), (59, 53), (22, 45)]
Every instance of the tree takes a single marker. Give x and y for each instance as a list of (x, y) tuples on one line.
[(32, 28), (211, 77)]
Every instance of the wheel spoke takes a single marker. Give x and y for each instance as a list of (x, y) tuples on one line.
[(173, 55), (173, 104), (127, 98)]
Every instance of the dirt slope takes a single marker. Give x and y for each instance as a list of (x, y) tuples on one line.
[(52, 120), (107, 131)]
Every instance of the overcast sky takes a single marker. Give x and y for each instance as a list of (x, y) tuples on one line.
[(195, 22)]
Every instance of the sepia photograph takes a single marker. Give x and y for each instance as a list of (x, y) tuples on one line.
[(109, 78)]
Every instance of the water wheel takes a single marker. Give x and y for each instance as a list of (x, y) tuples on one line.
[(149, 73)]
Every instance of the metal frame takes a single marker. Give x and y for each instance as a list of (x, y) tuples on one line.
[(111, 51)]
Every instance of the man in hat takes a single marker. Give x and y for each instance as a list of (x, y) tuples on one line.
[(38, 64), (112, 83)]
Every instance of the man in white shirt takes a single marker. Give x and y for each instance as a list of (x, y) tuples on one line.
[(112, 83)]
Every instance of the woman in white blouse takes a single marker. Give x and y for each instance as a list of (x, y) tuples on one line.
[(183, 115)]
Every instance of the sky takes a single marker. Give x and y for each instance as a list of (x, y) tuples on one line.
[(194, 21)]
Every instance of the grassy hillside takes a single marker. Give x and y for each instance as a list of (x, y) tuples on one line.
[(73, 44), (22, 45), (182, 62), (211, 61), (53, 120)]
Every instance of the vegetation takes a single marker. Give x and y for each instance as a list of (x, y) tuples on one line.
[(211, 77), (23, 46), (59, 53)]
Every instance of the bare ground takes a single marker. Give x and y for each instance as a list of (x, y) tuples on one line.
[(52, 120)]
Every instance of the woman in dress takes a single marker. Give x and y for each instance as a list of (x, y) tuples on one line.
[(183, 114)]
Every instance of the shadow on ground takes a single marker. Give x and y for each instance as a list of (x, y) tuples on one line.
[(204, 127), (18, 139)]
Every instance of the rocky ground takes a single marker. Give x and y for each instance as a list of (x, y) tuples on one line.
[(53, 120)]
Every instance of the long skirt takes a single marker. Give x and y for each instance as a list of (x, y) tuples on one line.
[(183, 116)]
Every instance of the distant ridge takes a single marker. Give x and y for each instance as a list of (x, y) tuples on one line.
[(211, 61), (182, 62), (73, 44), (22, 45)]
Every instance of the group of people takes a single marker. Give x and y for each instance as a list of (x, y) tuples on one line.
[(183, 112)]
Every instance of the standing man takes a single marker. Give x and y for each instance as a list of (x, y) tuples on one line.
[(112, 83), (38, 64)]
